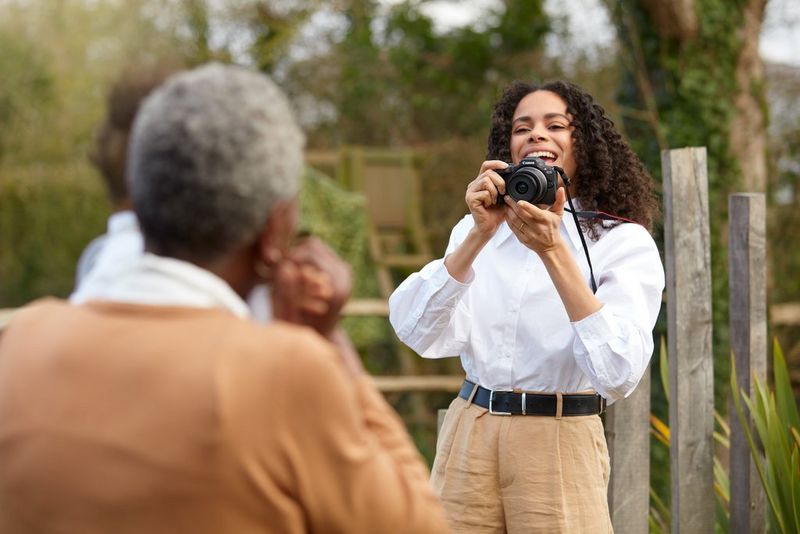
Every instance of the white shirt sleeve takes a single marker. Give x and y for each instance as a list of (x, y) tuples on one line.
[(613, 346), (426, 310)]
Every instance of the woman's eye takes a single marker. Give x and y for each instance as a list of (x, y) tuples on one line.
[(556, 126), (522, 130)]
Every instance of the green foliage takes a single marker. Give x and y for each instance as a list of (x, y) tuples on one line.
[(777, 433), (777, 428), (55, 59), (693, 83), (451, 80), (199, 29), (275, 29), (48, 215), (27, 85), (338, 217), (428, 85)]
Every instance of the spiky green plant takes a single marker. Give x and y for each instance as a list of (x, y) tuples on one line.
[(777, 427)]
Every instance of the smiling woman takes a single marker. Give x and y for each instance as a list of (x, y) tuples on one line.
[(512, 298)]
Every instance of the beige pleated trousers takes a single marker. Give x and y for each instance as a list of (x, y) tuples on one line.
[(522, 474)]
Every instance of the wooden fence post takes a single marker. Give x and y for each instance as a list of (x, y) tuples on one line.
[(691, 364), (627, 427), (747, 263)]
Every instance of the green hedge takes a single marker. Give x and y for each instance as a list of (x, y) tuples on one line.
[(47, 215)]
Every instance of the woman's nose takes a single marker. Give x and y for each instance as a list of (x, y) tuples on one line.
[(538, 134)]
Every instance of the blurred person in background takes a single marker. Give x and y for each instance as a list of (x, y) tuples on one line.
[(159, 406), (122, 241), (546, 337)]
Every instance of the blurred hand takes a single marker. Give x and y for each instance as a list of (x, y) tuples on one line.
[(311, 286), (482, 194)]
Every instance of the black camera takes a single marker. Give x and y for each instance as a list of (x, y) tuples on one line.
[(531, 180)]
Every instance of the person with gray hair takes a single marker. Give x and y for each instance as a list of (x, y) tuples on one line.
[(194, 138), (160, 406), (107, 257)]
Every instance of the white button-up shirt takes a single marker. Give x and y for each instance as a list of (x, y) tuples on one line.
[(510, 328)]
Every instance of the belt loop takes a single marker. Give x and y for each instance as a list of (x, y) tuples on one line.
[(472, 394), (559, 404)]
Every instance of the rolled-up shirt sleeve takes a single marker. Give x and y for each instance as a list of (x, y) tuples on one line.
[(613, 345), (426, 310)]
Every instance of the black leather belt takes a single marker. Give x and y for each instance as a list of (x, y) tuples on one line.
[(502, 402)]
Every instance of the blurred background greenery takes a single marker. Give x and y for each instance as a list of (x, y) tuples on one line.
[(393, 74)]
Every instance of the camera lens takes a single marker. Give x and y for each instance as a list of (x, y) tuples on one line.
[(533, 181), (526, 184)]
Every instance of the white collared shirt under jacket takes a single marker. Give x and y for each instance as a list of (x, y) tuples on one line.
[(510, 328)]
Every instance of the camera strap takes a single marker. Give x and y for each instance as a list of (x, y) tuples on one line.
[(602, 215), (574, 212)]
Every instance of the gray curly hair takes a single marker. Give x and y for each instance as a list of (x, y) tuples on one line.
[(212, 150)]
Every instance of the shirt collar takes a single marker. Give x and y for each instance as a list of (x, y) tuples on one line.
[(122, 221), (161, 281)]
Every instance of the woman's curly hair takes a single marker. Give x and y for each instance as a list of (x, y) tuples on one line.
[(609, 176)]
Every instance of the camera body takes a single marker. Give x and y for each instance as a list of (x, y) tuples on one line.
[(531, 180)]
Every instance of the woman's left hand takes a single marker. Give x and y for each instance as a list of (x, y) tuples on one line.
[(536, 228)]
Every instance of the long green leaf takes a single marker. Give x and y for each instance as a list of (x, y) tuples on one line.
[(779, 459), (663, 364), (756, 414), (794, 476), (787, 405), (722, 483), (659, 512), (723, 425), (655, 525), (722, 439), (739, 397)]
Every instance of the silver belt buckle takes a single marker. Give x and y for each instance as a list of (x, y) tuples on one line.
[(491, 402)]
